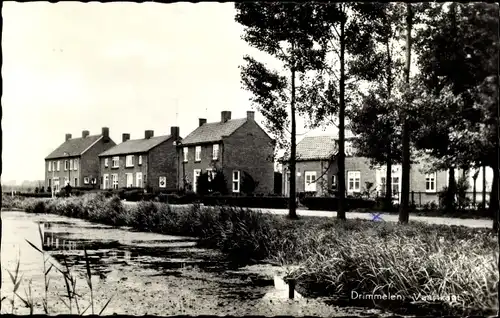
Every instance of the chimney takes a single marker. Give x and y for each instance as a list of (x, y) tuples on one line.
[(225, 116), (250, 115), (85, 133), (125, 137), (174, 132), (68, 137), (148, 134), (105, 133), (202, 121)]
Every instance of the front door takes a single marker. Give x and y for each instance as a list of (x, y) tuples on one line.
[(196, 174)]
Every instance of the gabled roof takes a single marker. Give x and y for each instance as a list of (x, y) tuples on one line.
[(135, 146), (212, 132), (74, 147), (316, 148)]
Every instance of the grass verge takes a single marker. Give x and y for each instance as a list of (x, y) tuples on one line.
[(443, 269)]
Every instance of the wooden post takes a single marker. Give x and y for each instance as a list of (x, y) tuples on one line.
[(291, 288)]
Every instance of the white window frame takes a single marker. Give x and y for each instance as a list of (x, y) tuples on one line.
[(309, 184), (139, 161), (138, 179), (210, 172), (49, 166), (430, 180), (66, 165), (66, 181), (114, 181), (75, 164), (55, 184), (396, 185), (70, 164), (115, 160), (185, 152), (131, 176), (354, 176), (129, 161), (106, 184), (196, 174), (348, 148), (159, 181), (86, 180), (106, 162), (58, 165), (197, 153), (215, 152), (236, 181)]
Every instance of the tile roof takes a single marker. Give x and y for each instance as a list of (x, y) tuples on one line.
[(74, 147), (316, 148), (135, 146), (212, 132)]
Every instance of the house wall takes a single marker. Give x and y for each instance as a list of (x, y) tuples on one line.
[(163, 163), (61, 174), (206, 162), (89, 162), (122, 170), (249, 149)]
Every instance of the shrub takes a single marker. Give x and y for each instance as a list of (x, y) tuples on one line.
[(248, 202), (248, 184)]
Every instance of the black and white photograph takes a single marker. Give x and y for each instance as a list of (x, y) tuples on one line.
[(247, 158)]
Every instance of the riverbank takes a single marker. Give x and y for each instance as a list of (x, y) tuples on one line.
[(333, 258)]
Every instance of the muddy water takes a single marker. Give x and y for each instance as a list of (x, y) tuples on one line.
[(143, 273)]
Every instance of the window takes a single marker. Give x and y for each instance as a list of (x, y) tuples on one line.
[(197, 153), (130, 180), (334, 182), (215, 152), (310, 181), (75, 165), (395, 185), (106, 162), (56, 184), (129, 161), (71, 164), (210, 174), (116, 162), (140, 160), (236, 181), (66, 165), (50, 166), (76, 182), (86, 180), (430, 182), (353, 181), (66, 181), (348, 148), (106, 181), (58, 165), (138, 179), (115, 181), (185, 154)]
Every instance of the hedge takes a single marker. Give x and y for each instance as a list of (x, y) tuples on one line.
[(33, 195), (266, 202), (331, 204)]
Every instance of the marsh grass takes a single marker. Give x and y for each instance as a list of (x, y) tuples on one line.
[(71, 299), (332, 257)]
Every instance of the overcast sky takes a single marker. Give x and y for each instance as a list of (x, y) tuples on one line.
[(72, 66)]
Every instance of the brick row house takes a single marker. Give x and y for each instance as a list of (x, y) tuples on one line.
[(317, 171), (75, 161), (149, 163), (237, 147)]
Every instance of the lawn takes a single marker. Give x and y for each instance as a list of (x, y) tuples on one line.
[(455, 266)]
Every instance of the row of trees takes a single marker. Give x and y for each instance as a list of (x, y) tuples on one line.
[(350, 63)]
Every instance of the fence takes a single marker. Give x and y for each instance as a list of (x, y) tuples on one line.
[(420, 199)]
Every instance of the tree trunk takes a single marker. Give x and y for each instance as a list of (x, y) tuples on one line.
[(341, 156), (493, 208), (405, 178), (292, 207), (484, 188), (388, 186), (474, 191), (452, 190)]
